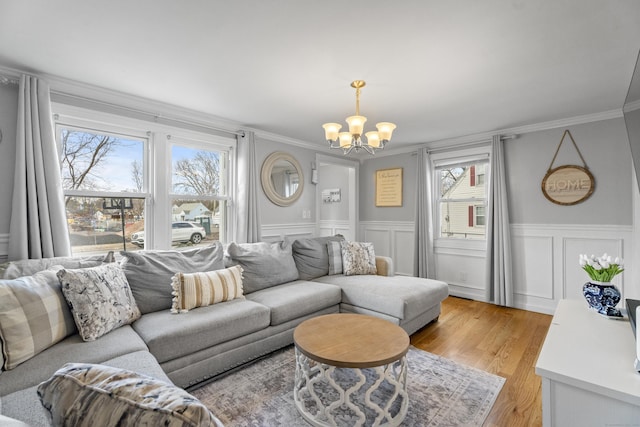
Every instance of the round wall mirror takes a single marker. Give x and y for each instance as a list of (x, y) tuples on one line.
[(282, 179)]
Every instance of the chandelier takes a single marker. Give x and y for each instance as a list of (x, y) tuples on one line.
[(352, 140)]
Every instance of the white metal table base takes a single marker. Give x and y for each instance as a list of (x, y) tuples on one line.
[(329, 396)]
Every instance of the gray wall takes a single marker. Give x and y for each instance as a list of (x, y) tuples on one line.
[(8, 121), (603, 144), (605, 148), (368, 209), (274, 214)]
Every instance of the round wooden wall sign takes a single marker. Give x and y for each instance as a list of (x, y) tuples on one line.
[(568, 185)]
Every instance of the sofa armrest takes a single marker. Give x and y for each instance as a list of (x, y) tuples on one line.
[(384, 266)]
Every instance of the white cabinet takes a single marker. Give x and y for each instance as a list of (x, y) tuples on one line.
[(586, 365)]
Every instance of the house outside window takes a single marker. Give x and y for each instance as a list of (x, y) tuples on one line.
[(128, 187), (461, 199)]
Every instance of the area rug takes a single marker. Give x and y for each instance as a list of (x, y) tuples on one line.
[(441, 392)]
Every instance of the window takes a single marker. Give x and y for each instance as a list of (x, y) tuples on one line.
[(461, 199), (199, 190), (104, 184), (479, 216), (128, 187)]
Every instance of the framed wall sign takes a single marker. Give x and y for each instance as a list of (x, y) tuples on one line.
[(568, 185), (389, 187)]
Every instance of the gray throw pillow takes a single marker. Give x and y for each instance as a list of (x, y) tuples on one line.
[(311, 256), (264, 264), (28, 267), (150, 273)]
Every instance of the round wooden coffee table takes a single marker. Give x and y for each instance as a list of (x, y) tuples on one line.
[(351, 369)]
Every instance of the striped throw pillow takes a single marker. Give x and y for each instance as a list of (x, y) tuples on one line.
[(33, 316), (335, 257), (191, 290)]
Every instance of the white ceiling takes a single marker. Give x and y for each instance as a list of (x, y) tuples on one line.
[(439, 69)]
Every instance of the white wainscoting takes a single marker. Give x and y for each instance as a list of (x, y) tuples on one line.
[(545, 259), (278, 232), (4, 247), (392, 239), (331, 228), (546, 267)]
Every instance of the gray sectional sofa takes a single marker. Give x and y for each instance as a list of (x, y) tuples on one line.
[(284, 284)]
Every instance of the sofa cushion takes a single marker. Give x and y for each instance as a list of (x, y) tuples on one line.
[(296, 299), (334, 249), (263, 264), (116, 343), (100, 299), (402, 297), (169, 336), (358, 258), (27, 267), (88, 395), (33, 316), (311, 256), (191, 290), (149, 272)]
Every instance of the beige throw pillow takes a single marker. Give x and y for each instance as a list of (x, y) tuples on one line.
[(33, 316), (191, 290)]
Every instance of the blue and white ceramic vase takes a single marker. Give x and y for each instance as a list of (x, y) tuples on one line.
[(602, 297)]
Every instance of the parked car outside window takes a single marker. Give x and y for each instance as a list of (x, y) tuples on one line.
[(181, 232)]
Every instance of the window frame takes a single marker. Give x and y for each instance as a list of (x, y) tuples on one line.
[(451, 158)]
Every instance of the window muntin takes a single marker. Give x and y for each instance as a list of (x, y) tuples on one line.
[(461, 200)]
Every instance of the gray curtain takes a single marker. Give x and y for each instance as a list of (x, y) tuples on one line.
[(424, 263), (247, 227), (38, 225), (499, 275)]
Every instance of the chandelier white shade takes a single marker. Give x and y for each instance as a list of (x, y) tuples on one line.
[(352, 140)]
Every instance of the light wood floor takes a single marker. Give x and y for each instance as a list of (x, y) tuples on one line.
[(500, 340)]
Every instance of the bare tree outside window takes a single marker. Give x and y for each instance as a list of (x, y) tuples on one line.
[(198, 176), (81, 153)]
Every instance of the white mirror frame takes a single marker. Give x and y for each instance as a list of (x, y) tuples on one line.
[(267, 184)]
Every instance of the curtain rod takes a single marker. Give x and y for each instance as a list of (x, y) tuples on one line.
[(155, 116), (462, 146)]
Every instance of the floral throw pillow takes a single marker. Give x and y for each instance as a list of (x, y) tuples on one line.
[(87, 395), (358, 258), (100, 299)]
